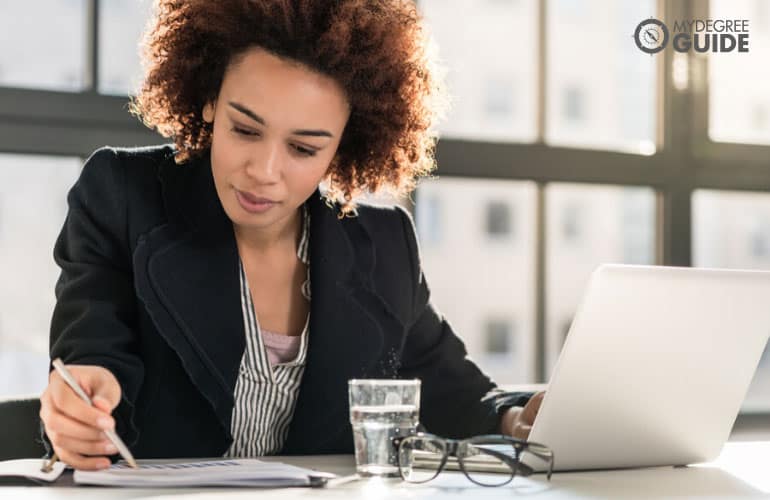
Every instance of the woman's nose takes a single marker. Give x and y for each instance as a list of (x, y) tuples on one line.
[(265, 166)]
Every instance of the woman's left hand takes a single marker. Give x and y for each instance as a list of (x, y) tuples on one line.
[(517, 421)]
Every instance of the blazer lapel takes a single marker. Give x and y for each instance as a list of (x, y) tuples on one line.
[(186, 274), (350, 331)]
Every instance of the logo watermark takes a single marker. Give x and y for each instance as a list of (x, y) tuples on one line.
[(699, 35)]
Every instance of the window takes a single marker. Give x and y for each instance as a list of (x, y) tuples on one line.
[(498, 337), (500, 357), (26, 265), (573, 8), (638, 226), (760, 238), (597, 217), (43, 45), (761, 15), (120, 27), (504, 107), (600, 90), (498, 219), (730, 230), (738, 99), (428, 218), (759, 117), (498, 100), (574, 105), (469, 275), (570, 221)]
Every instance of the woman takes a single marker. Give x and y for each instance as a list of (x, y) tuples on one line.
[(211, 300)]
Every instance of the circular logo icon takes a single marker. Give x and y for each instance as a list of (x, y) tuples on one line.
[(651, 36)]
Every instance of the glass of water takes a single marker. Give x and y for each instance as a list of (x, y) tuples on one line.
[(381, 410)]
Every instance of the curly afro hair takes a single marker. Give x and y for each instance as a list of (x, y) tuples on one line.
[(377, 50)]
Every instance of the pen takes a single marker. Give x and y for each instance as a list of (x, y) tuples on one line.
[(111, 434)]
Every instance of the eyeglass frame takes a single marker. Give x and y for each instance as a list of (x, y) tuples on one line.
[(452, 445)]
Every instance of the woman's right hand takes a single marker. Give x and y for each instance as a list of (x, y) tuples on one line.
[(75, 428)]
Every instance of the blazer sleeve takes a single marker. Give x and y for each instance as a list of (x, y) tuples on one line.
[(457, 399), (93, 320)]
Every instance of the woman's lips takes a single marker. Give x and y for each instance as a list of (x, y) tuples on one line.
[(254, 204)]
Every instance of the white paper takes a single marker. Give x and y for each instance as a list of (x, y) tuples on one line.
[(225, 472), (30, 468)]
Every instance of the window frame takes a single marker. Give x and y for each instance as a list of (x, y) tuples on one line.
[(679, 166), (71, 123), (76, 123)]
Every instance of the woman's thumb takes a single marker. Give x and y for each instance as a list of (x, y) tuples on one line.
[(102, 403)]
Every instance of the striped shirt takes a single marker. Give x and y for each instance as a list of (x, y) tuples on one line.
[(265, 394)]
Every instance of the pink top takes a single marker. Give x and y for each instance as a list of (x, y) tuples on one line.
[(280, 348)]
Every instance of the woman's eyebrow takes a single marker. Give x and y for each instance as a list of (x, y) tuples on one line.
[(246, 111)]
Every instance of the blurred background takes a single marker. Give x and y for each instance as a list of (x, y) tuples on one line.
[(566, 147)]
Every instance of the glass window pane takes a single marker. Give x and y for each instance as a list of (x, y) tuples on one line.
[(499, 219), (732, 230), (489, 48), (739, 104), (43, 44), (121, 24), (600, 89), (482, 282), (587, 226), (32, 209), (499, 336)]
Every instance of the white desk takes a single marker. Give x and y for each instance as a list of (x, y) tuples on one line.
[(741, 471)]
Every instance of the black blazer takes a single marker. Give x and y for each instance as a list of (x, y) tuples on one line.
[(149, 290)]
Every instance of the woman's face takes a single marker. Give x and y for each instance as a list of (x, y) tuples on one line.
[(277, 126)]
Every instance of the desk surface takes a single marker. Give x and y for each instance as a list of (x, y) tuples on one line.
[(741, 471)]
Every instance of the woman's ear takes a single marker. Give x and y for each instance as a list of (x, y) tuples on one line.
[(208, 112)]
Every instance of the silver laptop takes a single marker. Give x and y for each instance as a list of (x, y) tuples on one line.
[(655, 367)]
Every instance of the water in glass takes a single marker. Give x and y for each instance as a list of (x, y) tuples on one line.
[(374, 427)]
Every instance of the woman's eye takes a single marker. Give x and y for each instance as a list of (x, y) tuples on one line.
[(305, 151), (243, 131)]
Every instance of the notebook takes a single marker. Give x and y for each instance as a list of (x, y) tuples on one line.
[(158, 474), (28, 469)]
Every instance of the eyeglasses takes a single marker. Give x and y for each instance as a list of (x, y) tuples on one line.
[(490, 460)]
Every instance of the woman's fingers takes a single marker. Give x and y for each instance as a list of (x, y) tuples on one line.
[(81, 462), (521, 430), (518, 421), (63, 425), (100, 447), (67, 402), (531, 409)]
